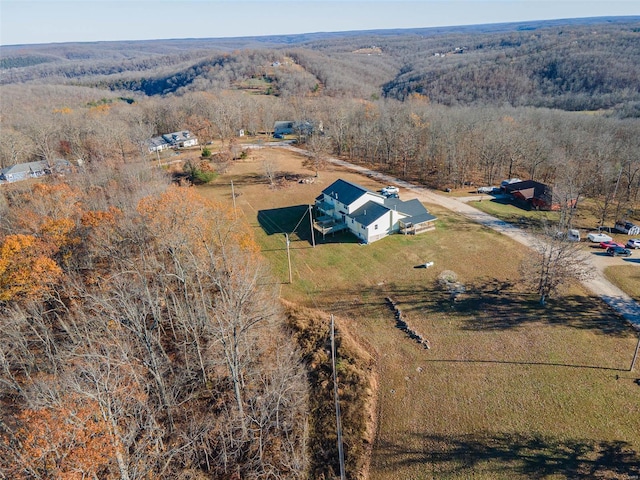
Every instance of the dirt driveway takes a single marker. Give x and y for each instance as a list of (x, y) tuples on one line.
[(598, 284)]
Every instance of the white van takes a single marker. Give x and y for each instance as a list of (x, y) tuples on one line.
[(573, 235)]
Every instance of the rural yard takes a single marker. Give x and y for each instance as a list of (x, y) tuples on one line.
[(508, 389), (599, 285)]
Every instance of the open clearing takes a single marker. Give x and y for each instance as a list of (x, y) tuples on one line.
[(508, 389)]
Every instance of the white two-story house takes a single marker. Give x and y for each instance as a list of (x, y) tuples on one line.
[(370, 216)]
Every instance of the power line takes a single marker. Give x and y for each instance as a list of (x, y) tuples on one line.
[(337, 401), (300, 221)]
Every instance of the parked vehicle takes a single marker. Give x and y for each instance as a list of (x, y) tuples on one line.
[(389, 190), (611, 244), (573, 235), (633, 243), (597, 237), (618, 252), (627, 227), (392, 195)]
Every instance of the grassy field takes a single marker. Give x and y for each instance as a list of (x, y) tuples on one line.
[(508, 390), (627, 277), (505, 210)]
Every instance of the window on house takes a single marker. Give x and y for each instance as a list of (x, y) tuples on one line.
[(376, 227)]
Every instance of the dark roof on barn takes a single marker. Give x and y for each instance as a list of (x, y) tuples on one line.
[(345, 192), (525, 185), (369, 213), (529, 190)]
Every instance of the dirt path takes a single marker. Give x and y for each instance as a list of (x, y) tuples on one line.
[(599, 285)]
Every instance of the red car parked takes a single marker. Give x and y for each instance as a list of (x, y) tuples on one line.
[(610, 244)]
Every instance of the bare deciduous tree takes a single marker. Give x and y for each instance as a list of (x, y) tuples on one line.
[(555, 262), (319, 148), (269, 168)]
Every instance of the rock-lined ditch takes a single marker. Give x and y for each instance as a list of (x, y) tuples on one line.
[(402, 324)]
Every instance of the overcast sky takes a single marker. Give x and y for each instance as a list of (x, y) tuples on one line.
[(47, 21)]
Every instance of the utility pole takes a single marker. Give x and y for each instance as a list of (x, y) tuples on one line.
[(313, 238), (286, 236), (635, 355), (337, 401), (233, 196)]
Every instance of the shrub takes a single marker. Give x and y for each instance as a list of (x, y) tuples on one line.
[(201, 172)]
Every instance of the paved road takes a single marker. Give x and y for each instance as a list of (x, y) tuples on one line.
[(599, 285)]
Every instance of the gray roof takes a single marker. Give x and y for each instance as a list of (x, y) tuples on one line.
[(156, 142), (24, 168), (345, 192), (175, 137), (415, 211), (22, 171), (369, 213)]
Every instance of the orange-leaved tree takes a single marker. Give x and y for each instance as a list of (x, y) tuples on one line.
[(26, 268), (51, 213), (70, 441)]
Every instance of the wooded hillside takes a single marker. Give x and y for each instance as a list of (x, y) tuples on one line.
[(141, 338), (574, 65), (142, 335)]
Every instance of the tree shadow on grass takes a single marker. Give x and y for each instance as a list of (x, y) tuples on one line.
[(491, 305), (500, 305), (514, 218), (509, 455), (491, 309)]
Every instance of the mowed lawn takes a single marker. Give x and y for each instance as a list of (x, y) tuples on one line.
[(507, 390)]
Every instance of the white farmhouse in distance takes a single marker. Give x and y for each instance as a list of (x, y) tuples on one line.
[(182, 139)]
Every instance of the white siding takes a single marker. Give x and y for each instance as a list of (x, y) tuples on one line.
[(364, 199), (383, 229)]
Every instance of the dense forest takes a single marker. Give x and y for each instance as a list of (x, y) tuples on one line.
[(142, 337), (574, 66)]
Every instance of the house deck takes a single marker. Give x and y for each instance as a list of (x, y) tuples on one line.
[(328, 224), (416, 229)]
